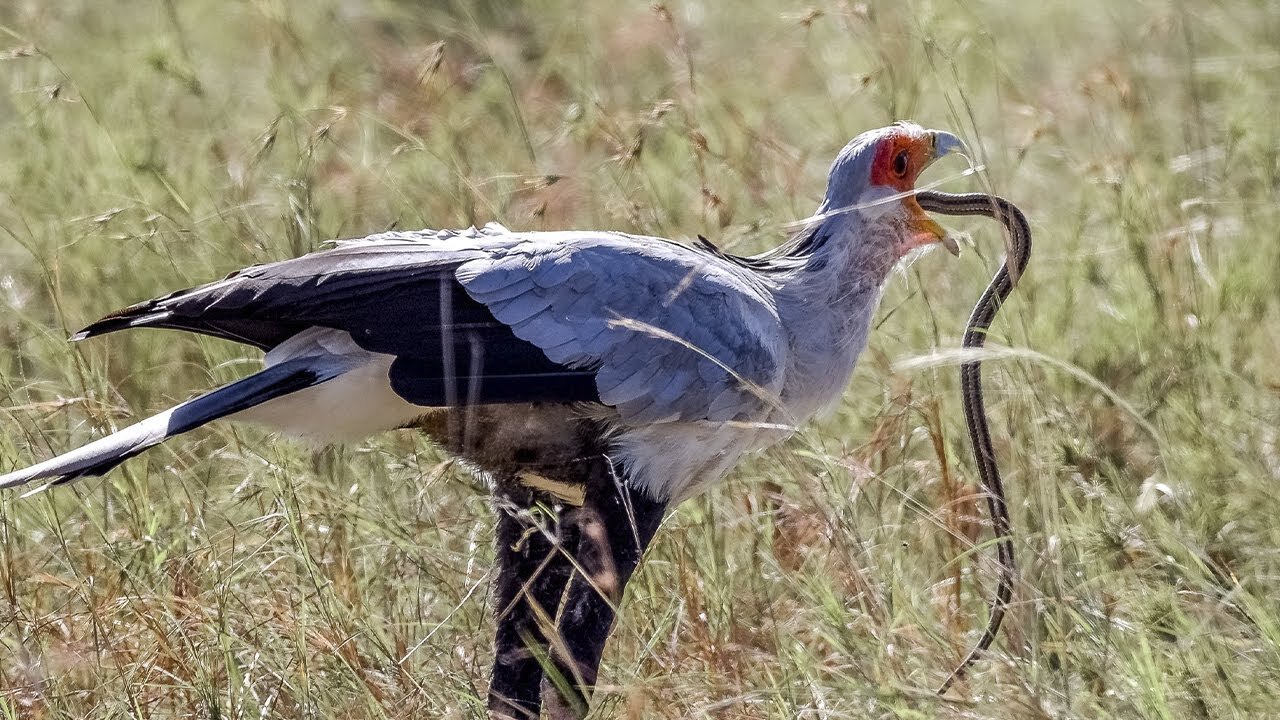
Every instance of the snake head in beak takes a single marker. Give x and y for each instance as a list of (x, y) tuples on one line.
[(875, 175), (922, 229)]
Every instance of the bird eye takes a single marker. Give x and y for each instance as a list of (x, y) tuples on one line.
[(900, 162)]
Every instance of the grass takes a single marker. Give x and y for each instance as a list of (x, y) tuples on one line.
[(151, 145)]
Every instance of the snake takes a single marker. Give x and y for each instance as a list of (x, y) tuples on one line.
[(975, 334)]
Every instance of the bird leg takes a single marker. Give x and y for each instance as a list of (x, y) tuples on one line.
[(615, 525), (533, 569)]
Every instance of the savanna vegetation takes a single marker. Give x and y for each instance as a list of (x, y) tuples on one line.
[(149, 145)]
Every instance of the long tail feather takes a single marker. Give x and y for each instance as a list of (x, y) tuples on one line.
[(103, 454)]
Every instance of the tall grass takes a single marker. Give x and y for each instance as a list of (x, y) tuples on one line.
[(151, 145)]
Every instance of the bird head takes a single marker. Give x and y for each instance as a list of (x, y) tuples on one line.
[(874, 175)]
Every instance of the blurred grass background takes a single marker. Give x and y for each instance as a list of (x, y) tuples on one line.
[(150, 145)]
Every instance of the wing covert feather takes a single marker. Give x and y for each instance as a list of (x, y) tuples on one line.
[(658, 330), (673, 334)]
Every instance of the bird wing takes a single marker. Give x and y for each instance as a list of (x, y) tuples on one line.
[(393, 293), (657, 330), (673, 333), (368, 285)]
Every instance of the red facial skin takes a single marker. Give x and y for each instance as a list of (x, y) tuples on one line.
[(888, 171), (919, 152)]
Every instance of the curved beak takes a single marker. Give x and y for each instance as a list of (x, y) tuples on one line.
[(925, 229), (944, 143)]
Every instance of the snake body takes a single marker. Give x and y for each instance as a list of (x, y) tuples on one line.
[(984, 313)]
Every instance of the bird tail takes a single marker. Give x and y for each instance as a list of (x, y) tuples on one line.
[(103, 454)]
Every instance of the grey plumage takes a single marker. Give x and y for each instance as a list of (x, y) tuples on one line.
[(646, 308), (616, 372), (647, 335)]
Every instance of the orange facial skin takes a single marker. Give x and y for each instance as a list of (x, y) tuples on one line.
[(898, 161)]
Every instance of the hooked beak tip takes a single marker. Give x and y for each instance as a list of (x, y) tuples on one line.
[(945, 143)]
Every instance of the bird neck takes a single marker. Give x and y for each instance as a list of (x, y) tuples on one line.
[(826, 291), (835, 269)]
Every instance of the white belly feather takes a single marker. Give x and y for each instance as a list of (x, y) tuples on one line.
[(667, 460), (352, 406)]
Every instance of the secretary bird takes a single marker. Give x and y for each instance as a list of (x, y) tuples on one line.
[(603, 376)]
